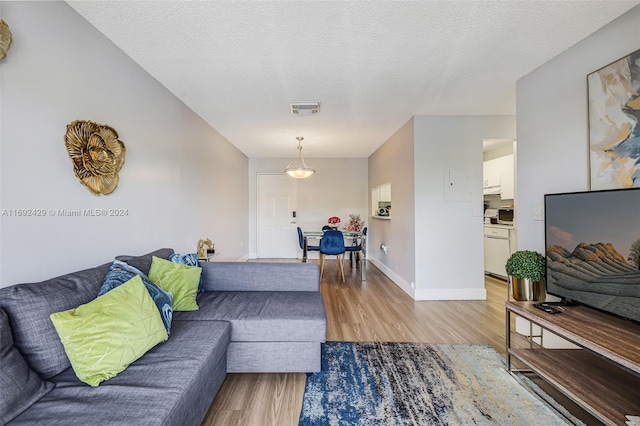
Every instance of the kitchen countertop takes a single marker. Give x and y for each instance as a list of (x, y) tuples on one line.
[(498, 225)]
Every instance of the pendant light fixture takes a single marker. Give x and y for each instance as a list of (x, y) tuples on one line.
[(298, 168)]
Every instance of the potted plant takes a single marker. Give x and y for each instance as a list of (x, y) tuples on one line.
[(526, 270)]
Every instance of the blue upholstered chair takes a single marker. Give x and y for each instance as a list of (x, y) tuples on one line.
[(332, 244), (326, 228), (301, 242), (358, 247)]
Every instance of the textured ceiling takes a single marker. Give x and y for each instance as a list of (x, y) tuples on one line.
[(372, 65)]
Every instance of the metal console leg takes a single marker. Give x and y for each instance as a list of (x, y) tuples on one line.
[(508, 339)]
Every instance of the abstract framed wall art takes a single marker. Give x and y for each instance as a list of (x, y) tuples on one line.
[(614, 124)]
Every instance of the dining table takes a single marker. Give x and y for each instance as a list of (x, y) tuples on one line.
[(352, 236)]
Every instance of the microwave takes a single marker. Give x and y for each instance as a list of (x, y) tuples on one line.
[(505, 215)]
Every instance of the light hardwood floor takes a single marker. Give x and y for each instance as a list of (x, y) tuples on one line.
[(373, 310)]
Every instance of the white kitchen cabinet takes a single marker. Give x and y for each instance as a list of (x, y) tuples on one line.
[(497, 249), (506, 177), (490, 174), (385, 192), (499, 172)]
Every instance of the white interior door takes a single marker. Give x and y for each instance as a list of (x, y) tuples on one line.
[(277, 203)]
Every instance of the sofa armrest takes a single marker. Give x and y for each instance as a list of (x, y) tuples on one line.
[(259, 276)]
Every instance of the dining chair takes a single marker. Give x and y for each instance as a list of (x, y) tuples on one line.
[(332, 244), (326, 228), (301, 242), (357, 248)]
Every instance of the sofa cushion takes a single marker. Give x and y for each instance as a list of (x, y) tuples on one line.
[(104, 336), (263, 316), (29, 307), (21, 386), (121, 272), (190, 259), (143, 262), (250, 276), (180, 279), (172, 384), (274, 357)]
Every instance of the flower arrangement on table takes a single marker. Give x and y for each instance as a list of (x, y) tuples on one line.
[(334, 222), (354, 224)]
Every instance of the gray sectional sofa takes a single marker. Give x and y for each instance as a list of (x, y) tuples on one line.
[(253, 317)]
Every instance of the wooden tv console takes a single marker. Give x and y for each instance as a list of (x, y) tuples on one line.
[(603, 376)]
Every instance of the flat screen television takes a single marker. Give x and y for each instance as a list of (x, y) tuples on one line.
[(592, 244)]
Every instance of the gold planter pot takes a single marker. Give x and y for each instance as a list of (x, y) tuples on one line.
[(526, 290)]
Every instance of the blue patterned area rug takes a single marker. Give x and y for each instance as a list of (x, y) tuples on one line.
[(418, 384)]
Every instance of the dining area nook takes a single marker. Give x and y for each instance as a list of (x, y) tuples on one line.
[(334, 240)]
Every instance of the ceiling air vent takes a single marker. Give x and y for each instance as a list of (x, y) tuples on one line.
[(304, 108)]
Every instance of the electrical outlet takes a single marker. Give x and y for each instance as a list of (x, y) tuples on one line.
[(413, 285), (538, 213)]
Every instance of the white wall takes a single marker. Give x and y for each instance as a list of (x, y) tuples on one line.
[(182, 180), (393, 163), (448, 229), (434, 240), (338, 188), (552, 121), (500, 151)]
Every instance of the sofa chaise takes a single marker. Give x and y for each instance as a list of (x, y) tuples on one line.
[(252, 317)]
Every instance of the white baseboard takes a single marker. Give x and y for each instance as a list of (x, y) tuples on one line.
[(451, 294), (243, 259), (431, 294), (312, 255), (253, 255), (397, 279)]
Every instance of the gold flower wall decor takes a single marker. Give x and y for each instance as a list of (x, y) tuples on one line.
[(5, 39), (96, 153)]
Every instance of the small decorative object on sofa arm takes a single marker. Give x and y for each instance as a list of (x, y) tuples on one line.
[(203, 248)]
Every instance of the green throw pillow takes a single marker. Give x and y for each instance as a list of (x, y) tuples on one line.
[(101, 338), (181, 280)]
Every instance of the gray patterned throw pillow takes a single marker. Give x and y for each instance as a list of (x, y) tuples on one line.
[(121, 272)]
